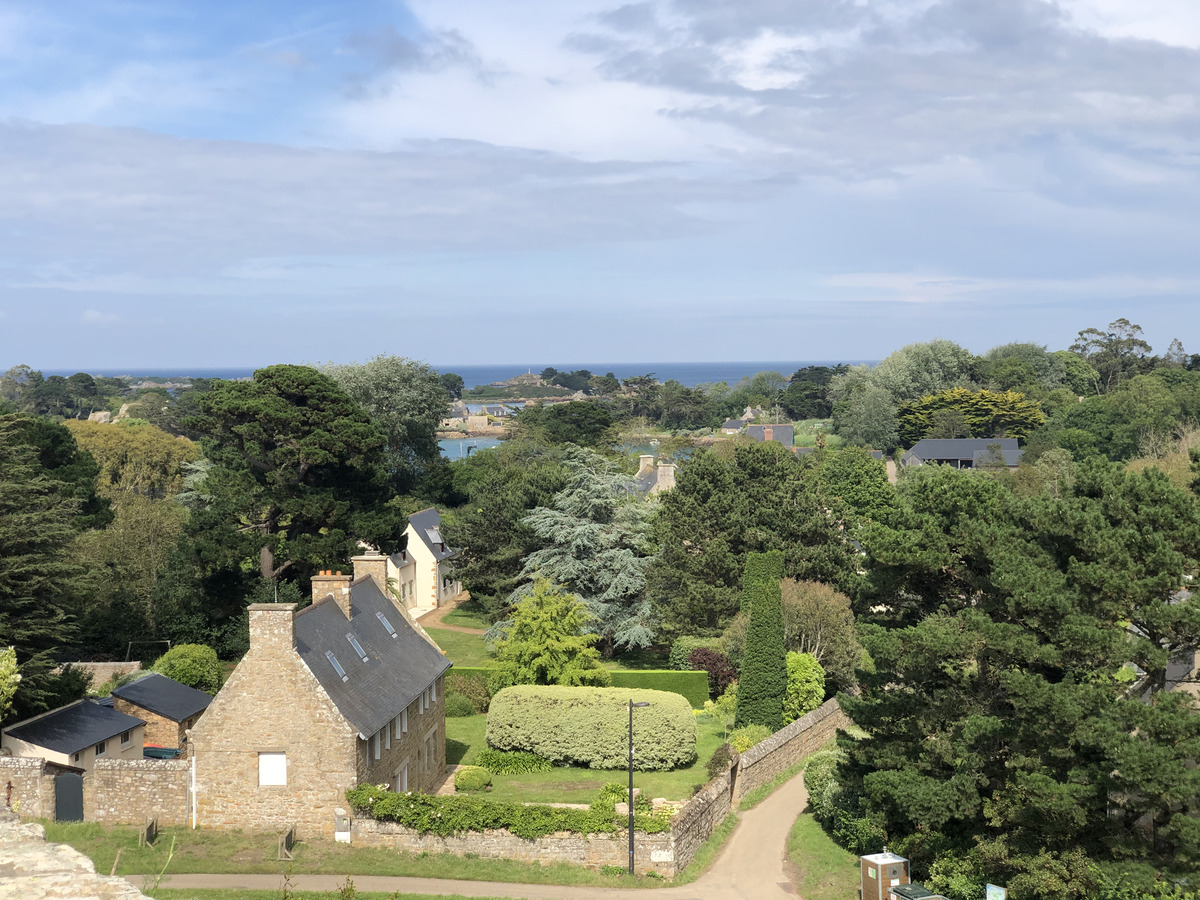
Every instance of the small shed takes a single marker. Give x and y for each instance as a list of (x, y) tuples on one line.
[(881, 874), (76, 735), (168, 707)]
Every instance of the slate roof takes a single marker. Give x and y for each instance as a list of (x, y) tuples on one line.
[(428, 525), (784, 434), (733, 423), (164, 696), (73, 728), (396, 670), (962, 449)]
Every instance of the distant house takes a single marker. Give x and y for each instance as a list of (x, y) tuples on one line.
[(344, 692), (784, 434), (965, 453), (168, 707), (732, 426), (77, 735), (419, 575), (653, 477)]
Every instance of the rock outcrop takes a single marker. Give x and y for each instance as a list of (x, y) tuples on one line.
[(31, 869)]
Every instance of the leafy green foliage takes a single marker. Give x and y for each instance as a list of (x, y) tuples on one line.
[(581, 422), (512, 762), (458, 706), (470, 683), (723, 509), (596, 543), (472, 779), (857, 479), (454, 815), (589, 726), (717, 666), (984, 413), (805, 686), (743, 738), (10, 679), (763, 677), (545, 642), (720, 761), (692, 685), (192, 664), (681, 650)]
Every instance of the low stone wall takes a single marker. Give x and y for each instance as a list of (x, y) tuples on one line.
[(130, 791), (33, 786), (652, 852), (693, 824), (788, 746)]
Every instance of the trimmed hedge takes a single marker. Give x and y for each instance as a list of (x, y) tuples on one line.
[(590, 726), (763, 679), (692, 685), (458, 706), (512, 762), (472, 779), (455, 814), (683, 647)]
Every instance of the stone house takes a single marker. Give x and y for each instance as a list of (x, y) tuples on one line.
[(343, 692), (652, 476), (784, 434), (168, 708), (76, 735)]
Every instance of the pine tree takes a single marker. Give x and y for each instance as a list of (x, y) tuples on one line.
[(37, 572), (763, 680)]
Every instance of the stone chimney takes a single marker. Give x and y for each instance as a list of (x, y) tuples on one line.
[(666, 477), (645, 463), (375, 565), (327, 582), (272, 627)]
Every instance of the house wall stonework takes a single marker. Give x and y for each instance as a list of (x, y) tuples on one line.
[(128, 792), (33, 787), (273, 703), (159, 729), (423, 774)]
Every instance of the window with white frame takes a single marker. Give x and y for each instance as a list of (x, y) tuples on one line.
[(125, 738), (100, 748), (272, 769), (433, 693), (402, 777), (404, 721), (377, 744), (387, 736)]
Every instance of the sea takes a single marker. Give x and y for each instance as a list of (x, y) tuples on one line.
[(689, 374)]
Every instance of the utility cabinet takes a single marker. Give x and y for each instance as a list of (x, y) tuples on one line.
[(880, 873)]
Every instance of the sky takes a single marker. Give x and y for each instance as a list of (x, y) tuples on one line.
[(461, 181)]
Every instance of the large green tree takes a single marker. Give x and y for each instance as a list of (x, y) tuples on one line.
[(298, 474), (596, 543), (984, 413), (762, 681), (38, 575), (406, 400), (755, 498)]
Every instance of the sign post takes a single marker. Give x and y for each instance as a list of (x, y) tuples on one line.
[(996, 893)]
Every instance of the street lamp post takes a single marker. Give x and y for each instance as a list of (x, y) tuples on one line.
[(631, 706)]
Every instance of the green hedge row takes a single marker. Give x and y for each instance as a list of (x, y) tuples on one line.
[(512, 762), (590, 726), (455, 814), (692, 684), (683, 647)]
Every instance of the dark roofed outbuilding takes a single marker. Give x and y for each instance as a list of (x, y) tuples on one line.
[(965, 453), (77, 728), (164, 696)]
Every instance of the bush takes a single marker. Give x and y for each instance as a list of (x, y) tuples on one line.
[(692, 685), (589, 726), (840, 815), (682, 649), (717, 666), (472, 779), (195, 665), (512, 762), (742, 739), (721, 759), (805, 686), (455, 814), (458, 706), (471, 683)]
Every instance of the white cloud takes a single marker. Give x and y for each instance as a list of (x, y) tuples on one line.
[(95, 317)]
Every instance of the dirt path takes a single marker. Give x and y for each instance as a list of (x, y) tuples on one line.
[(434, 618), (751, 866)]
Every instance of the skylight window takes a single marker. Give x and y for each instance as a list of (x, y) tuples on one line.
[(357, 646), (337, 666), (386, 624)]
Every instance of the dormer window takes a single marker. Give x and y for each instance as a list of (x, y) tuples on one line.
[(357, 646), (337, 666), (386, 624)]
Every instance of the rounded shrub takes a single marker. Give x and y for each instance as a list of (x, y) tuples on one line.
[(458, 706), (590, 726), (722, 757), (805, 686), (472, 779), (721, 673), (470, 683), (742, 739), (195, 665)]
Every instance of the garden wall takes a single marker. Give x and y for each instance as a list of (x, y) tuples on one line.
[(116, 791), (33, 786), (786, 747), (652, 852)]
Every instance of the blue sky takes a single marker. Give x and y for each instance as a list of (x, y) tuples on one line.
[(467, 182)]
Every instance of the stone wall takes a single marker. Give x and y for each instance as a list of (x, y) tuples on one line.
[(694, 823), (33, 786), (159, 729), (105, 671), (130, 791), (782, 750), (652, 852)]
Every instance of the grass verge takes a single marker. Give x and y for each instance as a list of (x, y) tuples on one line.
[(461, 648), (826, 871), (239, 894)]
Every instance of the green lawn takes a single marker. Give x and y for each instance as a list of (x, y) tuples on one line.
[(807, 431), (465, 738), (467, 615), (827, 872), (461, 648)]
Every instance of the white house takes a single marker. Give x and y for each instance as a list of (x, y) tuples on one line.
[(419, 577), (77, 735)]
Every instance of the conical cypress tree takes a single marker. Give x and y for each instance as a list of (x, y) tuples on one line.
[(763, 680)]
